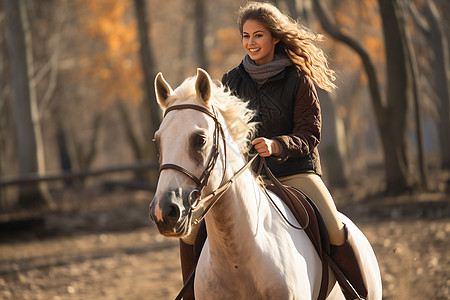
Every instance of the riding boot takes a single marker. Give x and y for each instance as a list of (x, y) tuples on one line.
[(188, 262), (347, 257), (189, 255)]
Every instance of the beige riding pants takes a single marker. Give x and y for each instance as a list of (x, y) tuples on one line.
[(313, 186)]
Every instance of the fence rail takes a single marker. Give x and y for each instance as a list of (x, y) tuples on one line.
[(32, 178)]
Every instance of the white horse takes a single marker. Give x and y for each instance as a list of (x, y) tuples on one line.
[(251, 252)]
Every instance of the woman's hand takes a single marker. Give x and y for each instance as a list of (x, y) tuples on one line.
[(266, 147)]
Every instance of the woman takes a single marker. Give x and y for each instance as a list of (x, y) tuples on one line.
[(277, 77)]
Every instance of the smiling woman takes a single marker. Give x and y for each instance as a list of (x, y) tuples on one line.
[(258, 42)]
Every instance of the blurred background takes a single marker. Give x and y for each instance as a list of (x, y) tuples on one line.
[(78, 113)]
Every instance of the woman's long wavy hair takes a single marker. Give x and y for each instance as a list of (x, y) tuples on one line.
[(296, 41)]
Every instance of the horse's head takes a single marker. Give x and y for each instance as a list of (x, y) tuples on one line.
[(188, 142)]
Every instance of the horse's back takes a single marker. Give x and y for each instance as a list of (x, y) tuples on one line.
[(368, 257)]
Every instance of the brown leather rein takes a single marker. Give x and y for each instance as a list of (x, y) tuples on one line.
[(195, 197)]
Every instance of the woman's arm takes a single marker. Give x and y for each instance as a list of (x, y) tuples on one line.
[(307, 124)]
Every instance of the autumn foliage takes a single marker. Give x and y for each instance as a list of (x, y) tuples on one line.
[(112, 63)]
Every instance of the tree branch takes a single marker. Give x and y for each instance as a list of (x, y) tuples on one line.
[(369, 67), (419, 20)]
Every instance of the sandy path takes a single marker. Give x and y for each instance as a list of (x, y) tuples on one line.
[(115, 253)]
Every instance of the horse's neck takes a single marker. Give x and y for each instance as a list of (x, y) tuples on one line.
[(243, 256), (234, 219)]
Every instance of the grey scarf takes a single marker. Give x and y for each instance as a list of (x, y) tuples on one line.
[(260, 74)]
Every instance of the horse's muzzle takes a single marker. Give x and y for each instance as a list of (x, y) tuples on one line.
[(168, 213)]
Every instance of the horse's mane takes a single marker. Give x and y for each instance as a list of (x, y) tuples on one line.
[(234, 111)]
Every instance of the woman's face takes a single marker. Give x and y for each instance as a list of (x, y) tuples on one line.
[(258, 42)]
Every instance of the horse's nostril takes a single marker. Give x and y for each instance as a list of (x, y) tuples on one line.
[(173, 212)]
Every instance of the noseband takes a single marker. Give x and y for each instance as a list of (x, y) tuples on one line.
[(195, 198)]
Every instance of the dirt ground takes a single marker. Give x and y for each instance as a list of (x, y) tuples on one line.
[(100, 245)]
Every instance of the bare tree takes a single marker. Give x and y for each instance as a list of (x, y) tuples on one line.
[(391, 114), (432, 26), (393, 134), (150, 106), (28, 131), (332, 146), (414, 69)]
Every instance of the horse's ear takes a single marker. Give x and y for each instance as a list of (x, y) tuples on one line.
[(203, 85), (163, 90)]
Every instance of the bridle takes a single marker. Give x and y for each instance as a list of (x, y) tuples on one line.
[(203, 180), (195, 198)]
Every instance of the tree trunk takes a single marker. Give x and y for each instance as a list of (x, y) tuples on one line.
[(332, 146), (183, 46), (304, 12), (150, 106), (398, 86), (200, 25), (439, 43), (148, 67), (292, 8), (413, 66), (28, 131), (134, 139)]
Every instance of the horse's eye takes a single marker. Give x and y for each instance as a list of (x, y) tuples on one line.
[(201, 140), (198, 140)]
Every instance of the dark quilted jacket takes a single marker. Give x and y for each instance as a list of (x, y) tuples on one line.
[(288, 110)]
